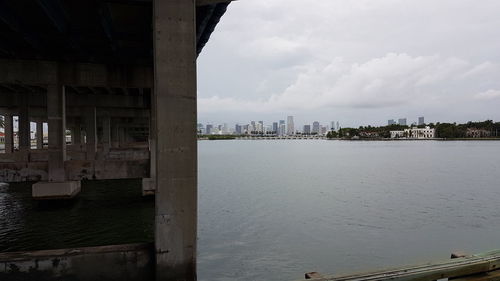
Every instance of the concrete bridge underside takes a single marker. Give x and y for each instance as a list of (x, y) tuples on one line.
[(118, 76)]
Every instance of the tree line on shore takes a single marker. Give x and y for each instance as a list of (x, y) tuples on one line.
[(484, 129)]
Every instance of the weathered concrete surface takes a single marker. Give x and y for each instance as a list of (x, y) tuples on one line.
[(121, 262), (148, 186), (56, 190), (119, 163), (56, 114), (23, 171), (176, 144)]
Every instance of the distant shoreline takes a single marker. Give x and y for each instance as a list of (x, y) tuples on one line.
[(336, 139)]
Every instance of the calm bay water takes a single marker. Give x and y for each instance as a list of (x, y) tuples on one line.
[(274, 210)]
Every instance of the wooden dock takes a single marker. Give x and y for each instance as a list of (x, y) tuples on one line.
[(479, 267)]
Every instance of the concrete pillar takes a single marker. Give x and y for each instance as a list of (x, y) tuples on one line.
[(122, 136), (152, 138), (115, 141), (39, 134), (149, 184), (91, 132), (24, 125), (57, 187), (106, 134), (77, 134), (176, 146), (9, 133), (56, 111)]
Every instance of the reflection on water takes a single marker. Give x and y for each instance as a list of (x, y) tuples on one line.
[(106, 212), (272, 210)]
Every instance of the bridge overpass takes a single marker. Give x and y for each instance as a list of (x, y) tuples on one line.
[(120, 76)]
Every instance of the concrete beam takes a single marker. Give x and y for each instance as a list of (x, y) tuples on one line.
[(75, 74), (132, 262), (176, 146), (8, 100), (211, 2)]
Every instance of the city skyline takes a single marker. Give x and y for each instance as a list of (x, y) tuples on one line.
[(290, 126), (298, 126)]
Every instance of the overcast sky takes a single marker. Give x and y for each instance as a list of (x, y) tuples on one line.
[(355, 61)]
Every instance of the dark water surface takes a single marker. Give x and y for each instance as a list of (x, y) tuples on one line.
[(272, 210), (105, 213)]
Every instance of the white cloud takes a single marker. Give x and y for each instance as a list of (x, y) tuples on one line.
[(388, 81), (488, 95), (291, 55)]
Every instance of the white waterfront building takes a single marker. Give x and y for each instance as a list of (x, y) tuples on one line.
[(414, 133)]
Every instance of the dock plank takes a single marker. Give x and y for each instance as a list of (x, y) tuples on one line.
[(453, 268)]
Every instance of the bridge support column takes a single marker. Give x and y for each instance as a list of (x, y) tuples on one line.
[(77, 137), (122, 136), (176, 146), (39, 134), (57, 186), (106, 135), (24, 126), (9, 133), (115, 141), (149, 184), (91, 132)]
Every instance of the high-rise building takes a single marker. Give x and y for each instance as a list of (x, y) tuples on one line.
[(332, 126), (421, 121), (209, 129), (259, 127), (324, 130), (268, 129), (290, 130), (307, 130), (315, 128), (338, 126), (238, 129), (391, 122), (275, 127), (282, 130), (200, 128), (402, 121)]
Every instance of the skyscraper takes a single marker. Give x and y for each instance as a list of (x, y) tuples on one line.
[(282, 129), (332, 126), (237, 129), (275, 127), (402, 121), (338, 125), (421, 121), (391, 122), (290, 127), (315, 128), (208, 129), (307, 130)]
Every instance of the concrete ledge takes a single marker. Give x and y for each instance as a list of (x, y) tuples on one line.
[(117, 262), (148, 186), (55, 190)]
